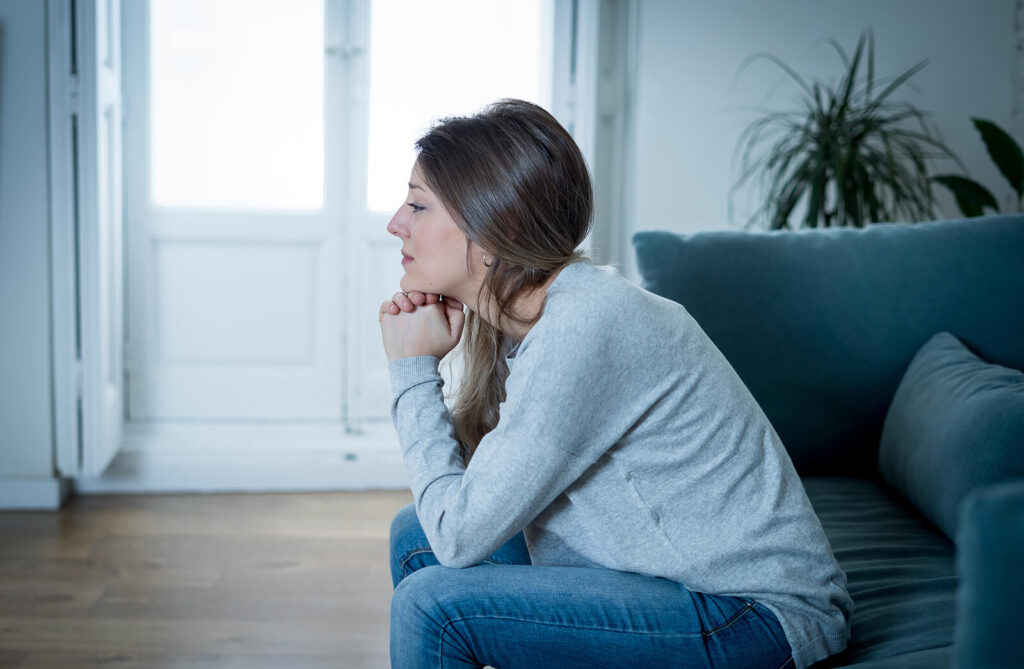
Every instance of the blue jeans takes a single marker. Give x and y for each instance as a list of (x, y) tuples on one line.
[(509, 614)]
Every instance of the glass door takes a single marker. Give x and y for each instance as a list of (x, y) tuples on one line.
[(427, 60), (237, 270), (267, 145)]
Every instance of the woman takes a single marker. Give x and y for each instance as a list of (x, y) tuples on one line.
[(620, 496)]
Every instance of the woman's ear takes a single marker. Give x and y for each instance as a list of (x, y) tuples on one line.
[(479, 260)]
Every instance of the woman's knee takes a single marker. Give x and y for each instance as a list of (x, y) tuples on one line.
[(424, 598), (424, 609)]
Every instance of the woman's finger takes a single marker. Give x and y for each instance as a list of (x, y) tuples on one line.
[(419, 298), (450, 301), (456, 321), (403, 302), (387, 307)]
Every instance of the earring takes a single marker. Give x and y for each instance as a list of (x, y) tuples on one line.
[(483, 257)]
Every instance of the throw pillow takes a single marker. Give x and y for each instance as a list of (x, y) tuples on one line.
[(956, 423)]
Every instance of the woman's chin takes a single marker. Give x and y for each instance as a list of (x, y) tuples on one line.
[(409, 285)]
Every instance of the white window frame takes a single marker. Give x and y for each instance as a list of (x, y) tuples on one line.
[(589, 101)]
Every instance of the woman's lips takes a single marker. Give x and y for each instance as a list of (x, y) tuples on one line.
[(406, 259)]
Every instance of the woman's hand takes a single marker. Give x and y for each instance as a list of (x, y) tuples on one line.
[(416, 323)]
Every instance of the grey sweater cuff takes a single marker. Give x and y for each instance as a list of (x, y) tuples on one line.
[(408, 372)]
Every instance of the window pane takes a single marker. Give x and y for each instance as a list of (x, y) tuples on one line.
[(431, 59), (237, 103)]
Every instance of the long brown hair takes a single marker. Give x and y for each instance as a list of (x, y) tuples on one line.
[(518, 187)]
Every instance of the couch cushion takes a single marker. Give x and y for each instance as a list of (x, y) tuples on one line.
[(955, 424), (900, 570), (820, 324)]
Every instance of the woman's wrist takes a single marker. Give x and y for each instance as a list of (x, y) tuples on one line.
[(412, 371)]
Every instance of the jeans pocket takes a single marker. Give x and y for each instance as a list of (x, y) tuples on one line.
[(718, 612), (409, 563)]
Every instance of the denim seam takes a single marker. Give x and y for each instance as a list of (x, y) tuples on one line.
[(451, 622), (739, 614), (404, 560), (782, 633), (788, 661)]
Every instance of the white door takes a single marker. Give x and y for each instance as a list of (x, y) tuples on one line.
[(97, 174), (426, 61), (268, 144), (237, 257), (263, 144)]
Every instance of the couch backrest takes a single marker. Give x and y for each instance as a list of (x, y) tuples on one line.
[(821, 324)]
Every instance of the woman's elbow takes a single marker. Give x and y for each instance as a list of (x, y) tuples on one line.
[(457, 561), (457, 551), (458, 544), (457, 557)]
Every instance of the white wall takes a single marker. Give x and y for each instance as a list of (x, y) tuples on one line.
[(686, 117), (26, 434)]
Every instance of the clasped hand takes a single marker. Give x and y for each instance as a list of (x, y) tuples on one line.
[(418, 323)]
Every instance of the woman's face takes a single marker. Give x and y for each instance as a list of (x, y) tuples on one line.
[(433, 246)]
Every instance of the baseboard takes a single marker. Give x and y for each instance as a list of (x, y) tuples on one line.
[(208, 458), (33, 494)]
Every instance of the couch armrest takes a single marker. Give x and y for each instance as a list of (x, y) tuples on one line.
[(990, 563)]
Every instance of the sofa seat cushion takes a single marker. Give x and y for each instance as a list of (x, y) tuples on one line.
[(901, 574)]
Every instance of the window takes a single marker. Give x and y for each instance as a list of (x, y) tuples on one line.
[(266, 143), (426, 64), (237, 92), (270, 143)]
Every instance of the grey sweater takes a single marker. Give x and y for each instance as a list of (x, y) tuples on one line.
[(626, 441)]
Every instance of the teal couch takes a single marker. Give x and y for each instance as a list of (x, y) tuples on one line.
[(888, 359)]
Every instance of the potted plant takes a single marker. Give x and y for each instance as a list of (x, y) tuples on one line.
[(850, 154), (971, 196)]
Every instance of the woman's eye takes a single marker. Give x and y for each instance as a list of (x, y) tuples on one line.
[(415, 207)]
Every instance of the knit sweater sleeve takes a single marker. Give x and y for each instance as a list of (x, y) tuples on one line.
[(558, 418)]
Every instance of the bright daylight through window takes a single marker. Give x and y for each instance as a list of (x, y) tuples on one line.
[(427, 64), (237, 103)]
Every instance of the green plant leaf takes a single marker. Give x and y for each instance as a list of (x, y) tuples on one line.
[(850, 78), (899, 81), (871, 62), (779, 62), (970, 195), (1005, 153), (852, 157)]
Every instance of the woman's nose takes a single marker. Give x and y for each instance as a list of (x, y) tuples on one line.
[(396, 226)]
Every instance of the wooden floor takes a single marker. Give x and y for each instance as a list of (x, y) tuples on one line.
[(270, 581)]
